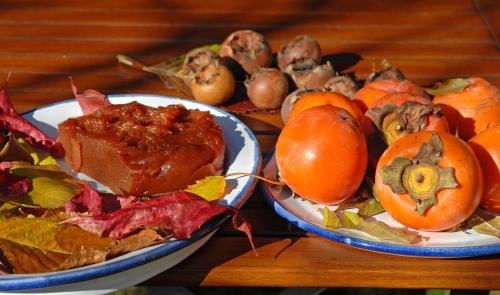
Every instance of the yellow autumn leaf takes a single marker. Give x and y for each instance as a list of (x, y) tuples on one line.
[(37, 233), (210, 188)]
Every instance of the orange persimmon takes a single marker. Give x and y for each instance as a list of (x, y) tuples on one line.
[(486, 146), (368, 95), (429, 181), (396, 115), (312, 99), (469, 105), (321, 154)]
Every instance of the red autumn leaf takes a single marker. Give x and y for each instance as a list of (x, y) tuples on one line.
[(90, 200), (181, 213), (90, 100), (11, 120), (12, 185)]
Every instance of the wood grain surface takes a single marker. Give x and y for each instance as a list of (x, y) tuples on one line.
[(44, 42)]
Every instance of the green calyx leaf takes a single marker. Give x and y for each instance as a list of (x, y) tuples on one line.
[(449, 86), (431, 151), (392, 174)]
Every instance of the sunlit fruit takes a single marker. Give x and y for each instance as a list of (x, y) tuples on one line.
[(429, 181), (321, 154), (486, 146)]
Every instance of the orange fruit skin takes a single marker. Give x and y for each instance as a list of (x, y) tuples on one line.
[(321, 154), (399, 98), (472, 110), (313, 99), (368, 95), (453, 205), (486, 146)]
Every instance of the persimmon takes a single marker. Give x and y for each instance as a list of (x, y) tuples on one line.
[(317, 98), (486, 146), (429, 181), (470, 105), (321, 154), (368, 95), (396, 115)]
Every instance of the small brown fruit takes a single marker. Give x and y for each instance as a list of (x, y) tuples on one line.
[(250, 49), (341, 84), (213, 84), (301, 48), (267, 88), (308, 74)]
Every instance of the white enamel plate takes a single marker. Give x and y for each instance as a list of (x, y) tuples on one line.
[(242, 155), (307, 216)]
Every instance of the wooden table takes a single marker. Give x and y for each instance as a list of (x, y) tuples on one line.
[(45, 41)]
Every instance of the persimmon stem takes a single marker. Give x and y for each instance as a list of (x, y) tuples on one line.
[(272, 181)]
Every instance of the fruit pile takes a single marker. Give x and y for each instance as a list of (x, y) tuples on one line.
[(430, 156), (434, 154)]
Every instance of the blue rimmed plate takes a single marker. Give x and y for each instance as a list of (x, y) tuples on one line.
[(242, 155), (307, 216)]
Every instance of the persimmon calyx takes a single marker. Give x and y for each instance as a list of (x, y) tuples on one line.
[(448, 86), (395, 121), (420, 177), (387, 72)]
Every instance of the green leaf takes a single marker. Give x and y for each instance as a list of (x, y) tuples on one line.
[(383, 232), (32, 171), (370, 207), (351, 220), (376, 229), (210, 188), (39, 233), (392, 173), (449, 86), (52, 192), (330, 219), (485, 223)]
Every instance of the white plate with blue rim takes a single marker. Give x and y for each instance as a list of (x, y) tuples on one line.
[(307, 216), (242, 155)]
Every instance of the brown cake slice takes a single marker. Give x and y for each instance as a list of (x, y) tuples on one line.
[(140, 150)]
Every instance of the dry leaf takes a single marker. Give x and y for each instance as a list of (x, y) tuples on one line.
[(485, 223), (210, 188)]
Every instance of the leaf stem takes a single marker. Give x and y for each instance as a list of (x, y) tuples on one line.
[(272, 181)]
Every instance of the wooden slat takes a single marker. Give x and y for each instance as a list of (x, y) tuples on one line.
[(311, 261), (280, 6), (489, 10), (189, 23), (165, 34)]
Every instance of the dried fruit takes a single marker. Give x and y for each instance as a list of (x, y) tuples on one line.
[(312, 160), (308, 74), (214, 84), (195, 61), (249, 49), (300, 48), (290, 100), (429, 181), (267, 88), (341, 84)]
